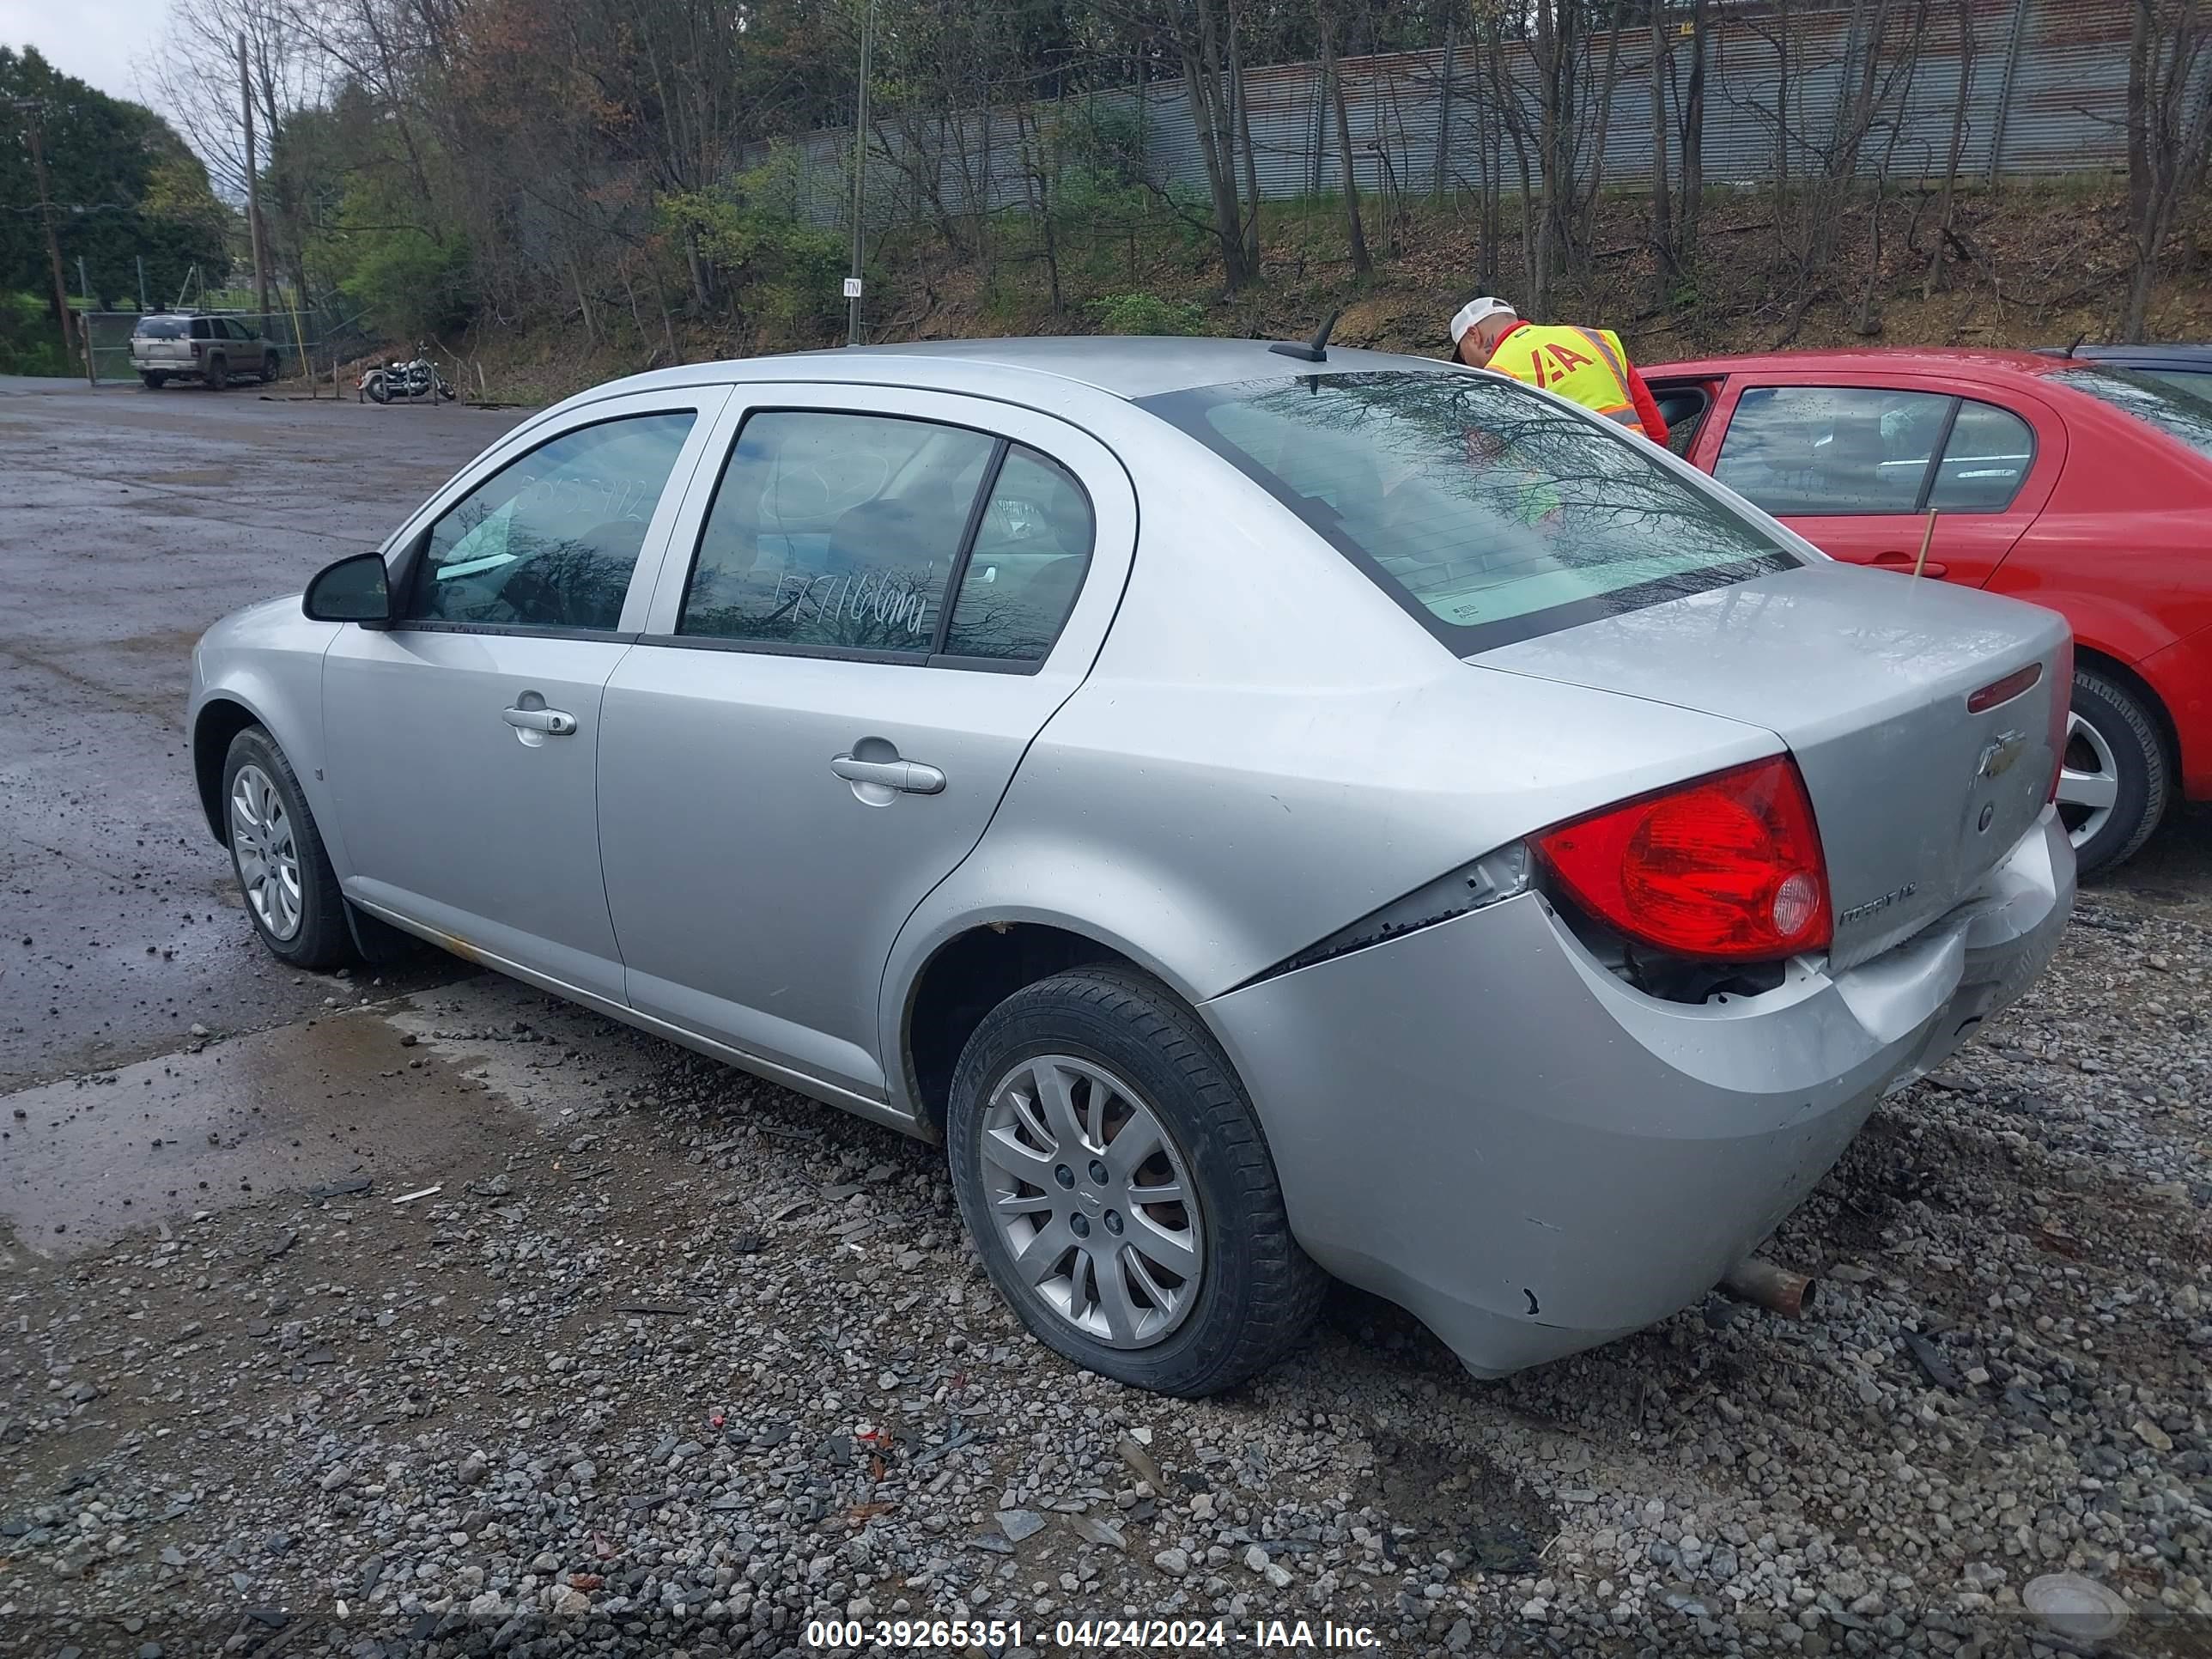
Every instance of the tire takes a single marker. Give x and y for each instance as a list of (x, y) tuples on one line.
[(2115, 747), (154, 381), (218, 373), (380, 392), (311, 932), (269, 366), (1255, 1294)]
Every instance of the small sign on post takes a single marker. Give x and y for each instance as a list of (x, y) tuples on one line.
[(852, 288)]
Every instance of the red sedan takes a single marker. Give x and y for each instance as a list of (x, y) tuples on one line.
[(2083, 488)]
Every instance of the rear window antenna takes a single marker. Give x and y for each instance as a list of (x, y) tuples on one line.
[(1314, 350)]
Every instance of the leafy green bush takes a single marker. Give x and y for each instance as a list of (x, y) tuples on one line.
[(410, 283), (778, 267), (1106, 145), (1147, 314), (30, 340)]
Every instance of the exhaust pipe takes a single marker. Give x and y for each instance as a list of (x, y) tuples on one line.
[(1777, 1289)]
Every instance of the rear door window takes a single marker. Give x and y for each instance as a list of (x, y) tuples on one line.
[(1485, 510), (836, 533), (1985, 460), (1032, 548), (1830, 451)]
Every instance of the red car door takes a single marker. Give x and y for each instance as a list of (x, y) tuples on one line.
[(1853, 462)]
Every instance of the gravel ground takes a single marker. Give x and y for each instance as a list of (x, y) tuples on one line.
[(676, 1362)]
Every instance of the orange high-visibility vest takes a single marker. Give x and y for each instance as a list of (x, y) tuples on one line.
[(1584, 365)]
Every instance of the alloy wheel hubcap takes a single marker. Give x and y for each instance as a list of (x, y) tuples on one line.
[(2089, 782), (268, 856), (1092, 1199)]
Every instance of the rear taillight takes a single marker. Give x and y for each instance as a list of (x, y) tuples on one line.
[(1997, 693), (1727, 867), (2062, 712)]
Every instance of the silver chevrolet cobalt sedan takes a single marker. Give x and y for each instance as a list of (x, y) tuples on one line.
[(1269, 813)]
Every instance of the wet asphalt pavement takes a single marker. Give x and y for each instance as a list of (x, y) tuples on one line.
[(134, 520)]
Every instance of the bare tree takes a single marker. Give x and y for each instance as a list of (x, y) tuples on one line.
[(1692, 196), (1945, 192), (1662, 218), (2169, 135), (1355, 233), (195, 72)]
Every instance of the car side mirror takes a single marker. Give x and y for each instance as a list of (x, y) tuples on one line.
[(354, 589)]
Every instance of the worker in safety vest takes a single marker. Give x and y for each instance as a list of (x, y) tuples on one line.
[(1584, 365)]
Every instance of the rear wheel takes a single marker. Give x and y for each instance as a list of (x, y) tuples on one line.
[(290, 888), (218, 373), (380, 391), (154, 381), (2116, 782), (1119, 1189)]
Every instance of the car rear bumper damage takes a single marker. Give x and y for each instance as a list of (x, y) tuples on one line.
[(1481, 1122)]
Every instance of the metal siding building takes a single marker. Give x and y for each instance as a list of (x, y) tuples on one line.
[(2047, 87)]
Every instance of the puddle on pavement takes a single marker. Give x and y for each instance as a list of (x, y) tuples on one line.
[(87, 1159)]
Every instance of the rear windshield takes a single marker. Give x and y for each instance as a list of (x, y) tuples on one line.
[(1486, 511), (2182, 416), (160, 328)]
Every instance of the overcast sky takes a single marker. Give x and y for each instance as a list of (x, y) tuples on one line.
[(95, 40)]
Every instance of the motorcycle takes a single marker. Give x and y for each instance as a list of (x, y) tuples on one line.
[(410, 382)]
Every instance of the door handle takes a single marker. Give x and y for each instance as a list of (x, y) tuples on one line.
[(551, 721), (908, 777), (1895, 560)]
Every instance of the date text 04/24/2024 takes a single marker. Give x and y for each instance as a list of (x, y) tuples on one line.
[(1078, 1635)]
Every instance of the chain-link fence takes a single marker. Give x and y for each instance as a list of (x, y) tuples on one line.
[(300, 350)]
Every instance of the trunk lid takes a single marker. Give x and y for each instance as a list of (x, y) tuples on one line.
[(1866, 677)]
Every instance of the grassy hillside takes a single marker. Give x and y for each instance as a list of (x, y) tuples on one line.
[(2026, 266)]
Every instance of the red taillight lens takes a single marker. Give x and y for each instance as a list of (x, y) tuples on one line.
[(1997, 693), (1726, 866)]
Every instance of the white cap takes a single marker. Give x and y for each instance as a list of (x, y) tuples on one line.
[(1478, 311)]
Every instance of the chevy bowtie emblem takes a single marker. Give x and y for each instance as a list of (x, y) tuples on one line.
[(1997, 758)]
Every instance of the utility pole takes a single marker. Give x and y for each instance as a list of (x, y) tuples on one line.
[(860, 182), (253, 186), (29, 107)]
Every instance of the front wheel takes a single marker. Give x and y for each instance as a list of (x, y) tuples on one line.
[(1119, 1189), (290, 888), (2116, 781), (268, 367)]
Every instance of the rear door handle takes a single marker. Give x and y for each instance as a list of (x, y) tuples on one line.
[(1893, 560), (551, 721), (908, 777)]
